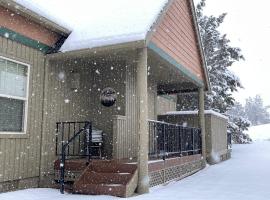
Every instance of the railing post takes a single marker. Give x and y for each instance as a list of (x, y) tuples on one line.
[(193, 142), (180, 139), (62, 170), (89, 141), (56, 139), (62, 136), (164, 141)]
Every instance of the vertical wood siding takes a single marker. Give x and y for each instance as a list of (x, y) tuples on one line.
[(84, 104), (176, 36), (131, 109), (20, 155), (127, 134), (165, 105), (121, 141)]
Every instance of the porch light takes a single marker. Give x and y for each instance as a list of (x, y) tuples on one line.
[(108, 97)]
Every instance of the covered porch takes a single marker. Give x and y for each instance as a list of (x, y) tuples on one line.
[(130, 130)]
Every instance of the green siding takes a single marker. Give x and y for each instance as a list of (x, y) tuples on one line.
[(20, 154), (7, 33)]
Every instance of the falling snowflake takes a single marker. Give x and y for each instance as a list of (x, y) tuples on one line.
[(6, 35), (61, 76), (98, 72), (67, 100)]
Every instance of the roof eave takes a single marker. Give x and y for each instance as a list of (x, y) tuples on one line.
[(23, 11), (207, 86), (159, 20), (98, 50)]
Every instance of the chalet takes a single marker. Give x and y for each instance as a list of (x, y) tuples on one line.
[(80, 100)]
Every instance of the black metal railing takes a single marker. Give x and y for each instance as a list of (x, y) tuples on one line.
[(172, 140), (74, 140)]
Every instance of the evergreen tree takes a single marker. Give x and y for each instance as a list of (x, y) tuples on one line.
[(220, 56), (256, 112), (238, 123)]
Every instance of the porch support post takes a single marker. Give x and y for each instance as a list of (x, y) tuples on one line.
[(202, 121), (143, 138)]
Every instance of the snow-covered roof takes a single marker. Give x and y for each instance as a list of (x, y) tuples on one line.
[(195, 112), (95, 23)]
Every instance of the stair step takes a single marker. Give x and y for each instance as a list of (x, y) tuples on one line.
[(101, 189), (107, 178), (72, 165), (93, 177), (112, 167)]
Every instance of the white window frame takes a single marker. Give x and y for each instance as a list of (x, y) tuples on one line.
[(25, 99)]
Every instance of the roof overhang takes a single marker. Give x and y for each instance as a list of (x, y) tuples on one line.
[(202, 55), (23, 11), (204, 64), (98, 51)]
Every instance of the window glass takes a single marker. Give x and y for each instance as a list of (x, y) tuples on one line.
[(11, 115), (13, 79), (13, 93)]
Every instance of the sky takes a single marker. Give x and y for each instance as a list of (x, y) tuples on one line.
[(247, 25)]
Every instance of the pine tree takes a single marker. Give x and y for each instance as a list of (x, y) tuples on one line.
[(220, 56), (238, 123), (256, 112)]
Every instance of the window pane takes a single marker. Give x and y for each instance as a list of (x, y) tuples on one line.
[(11, 115), (2, 71), (13, 79)]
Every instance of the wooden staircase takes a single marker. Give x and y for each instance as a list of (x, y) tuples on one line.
[(99, 177)]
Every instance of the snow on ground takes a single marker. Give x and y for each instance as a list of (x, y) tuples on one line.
[(97, 23), (246, 176), (260, 132)]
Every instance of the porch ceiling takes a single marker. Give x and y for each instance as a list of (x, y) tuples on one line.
[(169, 79)]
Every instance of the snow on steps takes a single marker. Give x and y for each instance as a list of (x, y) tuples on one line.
[(103, 177), (107, 178)]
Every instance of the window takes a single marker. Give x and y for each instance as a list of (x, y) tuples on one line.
[(13, 96)]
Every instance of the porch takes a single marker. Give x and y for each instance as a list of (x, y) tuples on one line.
[(174, 152), (140, 76)]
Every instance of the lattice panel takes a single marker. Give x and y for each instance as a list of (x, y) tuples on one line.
[(156, 178), (159, 177)]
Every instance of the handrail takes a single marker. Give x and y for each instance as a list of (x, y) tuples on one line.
[(167, 123), (88, 129)]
